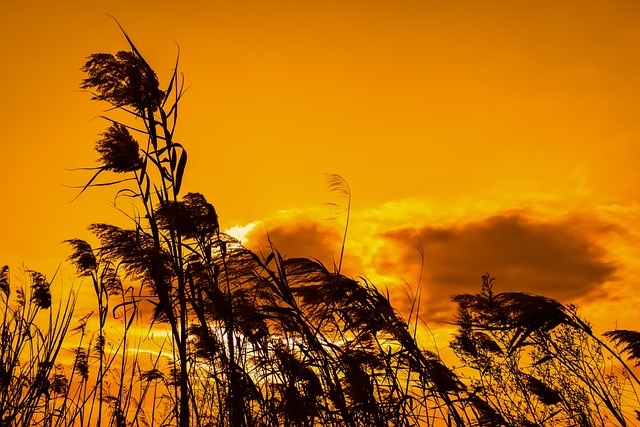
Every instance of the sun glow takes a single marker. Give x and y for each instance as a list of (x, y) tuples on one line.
[(240, 232)]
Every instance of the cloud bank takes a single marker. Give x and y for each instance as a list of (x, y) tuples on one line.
[(560, 257)]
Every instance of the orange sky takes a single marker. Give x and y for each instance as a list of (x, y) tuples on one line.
[(503, 134)]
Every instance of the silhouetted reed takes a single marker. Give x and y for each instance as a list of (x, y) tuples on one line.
[(256, 341), (32, 383), (533, 361)]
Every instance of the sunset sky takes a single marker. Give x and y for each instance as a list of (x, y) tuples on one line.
[(498, 136)]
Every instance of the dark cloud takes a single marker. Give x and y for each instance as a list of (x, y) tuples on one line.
[(560, 259), (298, 238)]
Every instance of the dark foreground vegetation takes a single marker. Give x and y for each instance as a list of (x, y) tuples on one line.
[(242, 339)]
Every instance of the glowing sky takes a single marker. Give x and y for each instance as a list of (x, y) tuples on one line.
[(503, 135)]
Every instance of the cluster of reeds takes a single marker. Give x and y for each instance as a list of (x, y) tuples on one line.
[(254, 340), (259, 340), (531, 361), (33, 385)]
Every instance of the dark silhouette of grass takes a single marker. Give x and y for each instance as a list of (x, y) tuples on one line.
[(32, 384), (260, 340), (536, 362)]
